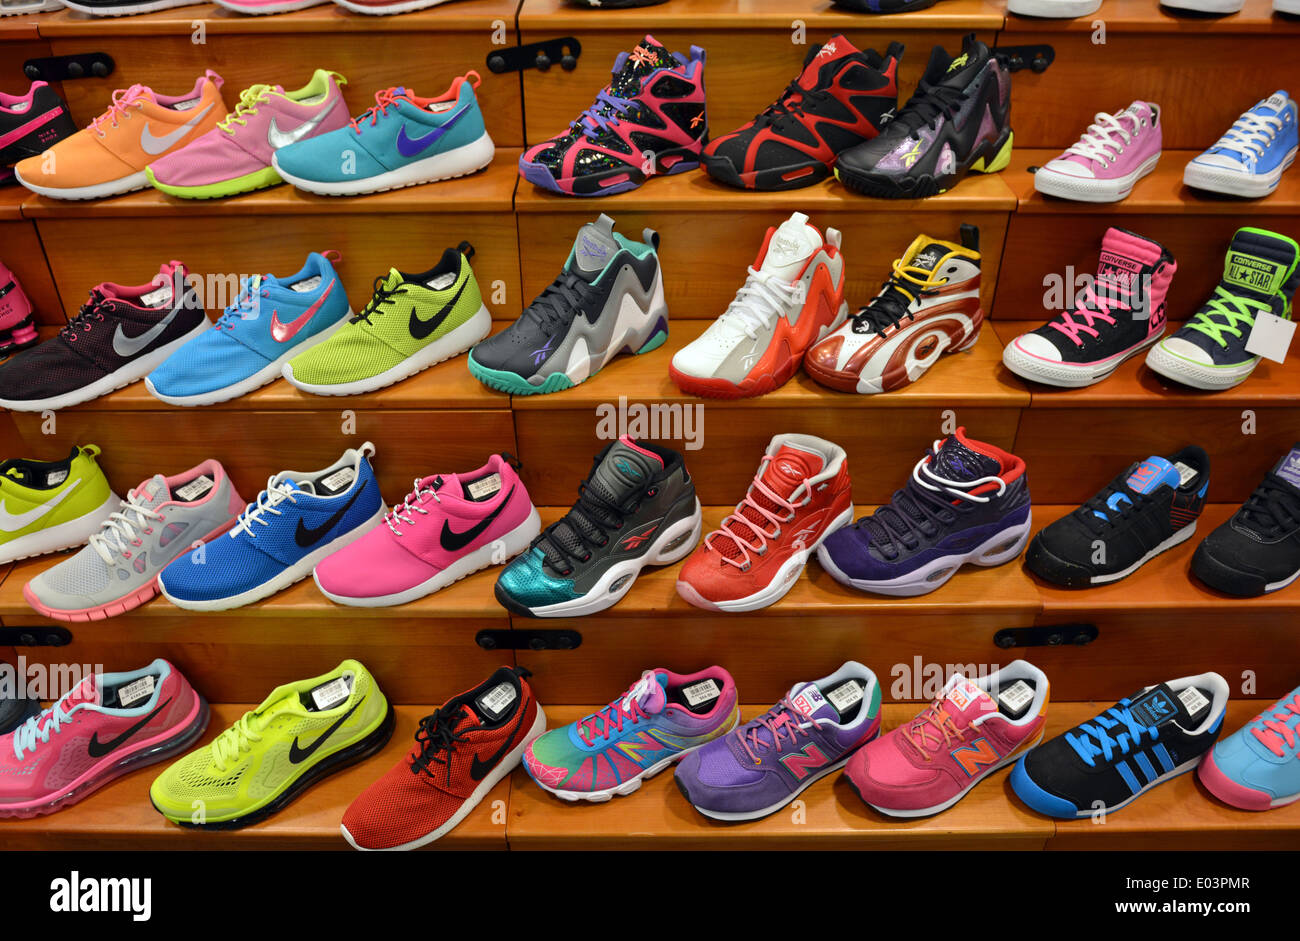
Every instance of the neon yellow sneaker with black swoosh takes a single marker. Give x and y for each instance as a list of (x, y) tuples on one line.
[(301, 733), (413, 322), (46, 506)]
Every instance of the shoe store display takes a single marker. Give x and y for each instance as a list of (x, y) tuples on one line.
[(1114, 153), (1250, 158)]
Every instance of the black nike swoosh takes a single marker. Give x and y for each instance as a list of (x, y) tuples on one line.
[(298, 755), (308, 536), (420, 329), (478, 769), (453, 541), (98, 749)]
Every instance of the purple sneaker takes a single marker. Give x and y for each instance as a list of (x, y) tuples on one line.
[(767, 762), (1115, 152)]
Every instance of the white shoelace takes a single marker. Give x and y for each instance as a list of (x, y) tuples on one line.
[(33, 730), (276, 492), (121, 531), (401, 512), (762, 299), (1251, 133), (1097, 142)]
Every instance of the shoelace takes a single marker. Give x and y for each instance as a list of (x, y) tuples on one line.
[(557, 304), (1272, 730), (627, 708), (1094, 308), (123, 100), (905, 286), (385, 99), (234, 741), (730, 526), (585, 527), (41, 726), (1093, 738), (246, 305), (607, 111), (401, 512), (1098, 141), (923, 731), (381, 299), (90, 314), (1098, 514), (1273, 509), (1225, 314), (123, 529), (249, 99), (781, 720), (761, 300), (437, 738), (268, 501), (1251, 134), (790, 104), (929, 103)]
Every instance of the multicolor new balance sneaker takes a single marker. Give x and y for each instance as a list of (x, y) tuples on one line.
[(1114, 153), (772, 759), (650, 119), (1257, 767), (31, 124), (17, 317), (662, 718), (46, 506), (1250, 158)]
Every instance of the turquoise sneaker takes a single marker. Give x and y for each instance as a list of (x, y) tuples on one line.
[(1257, 767)]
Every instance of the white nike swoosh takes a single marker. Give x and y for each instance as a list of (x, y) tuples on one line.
[(11, 523), (156, 145), (124, 345), (278, 138)]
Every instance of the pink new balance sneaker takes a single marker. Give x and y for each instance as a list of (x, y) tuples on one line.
[(973, 728), (1115, 152), (108, 725), (447, 527)]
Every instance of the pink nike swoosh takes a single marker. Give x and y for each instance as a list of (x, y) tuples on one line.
[(284, 332), (23, 130)]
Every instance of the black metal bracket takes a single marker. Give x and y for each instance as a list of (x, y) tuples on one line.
[(528, 640), (536, 55), (1050, 635), (1036, 58), (62, 68), (35, 636)]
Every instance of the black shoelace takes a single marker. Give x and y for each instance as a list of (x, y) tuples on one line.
[(786, 106), (911, 515), (889, 309), (572, 538), (929, 103), (380, 298), (1130, 504), (90, 313), (1273, 509), (437, 737), (560, 301)]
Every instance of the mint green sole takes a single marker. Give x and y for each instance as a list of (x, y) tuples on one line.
[(514, 384)]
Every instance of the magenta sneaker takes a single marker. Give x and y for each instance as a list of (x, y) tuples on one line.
[(235, 156), (260, 7), (1114, 153), (17, 322)]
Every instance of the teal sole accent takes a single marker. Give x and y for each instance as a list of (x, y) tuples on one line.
[(514, 384), (654, 342)]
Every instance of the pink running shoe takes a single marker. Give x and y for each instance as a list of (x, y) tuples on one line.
[(1115, 152), (446, 528), (925, 766), (108, 725), (235, 156), (17, 322)]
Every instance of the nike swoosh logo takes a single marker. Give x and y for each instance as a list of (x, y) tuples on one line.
[(453, 541), (278, 138), (478, 769), (98, 749), (308, 536), (410, 148), (423, 329), (284, 332), (297, 754), (12, 522), (156, 145), (126, 346)]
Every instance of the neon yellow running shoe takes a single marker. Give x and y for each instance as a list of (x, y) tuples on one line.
[(46, 506), (412, 322), (301, 733)]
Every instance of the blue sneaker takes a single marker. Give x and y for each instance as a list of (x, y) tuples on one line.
[(272, 320), (401, 141), (1257, 767), (1249, 159), (299, 519)]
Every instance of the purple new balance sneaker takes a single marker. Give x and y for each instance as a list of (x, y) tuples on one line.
[(767, 762)]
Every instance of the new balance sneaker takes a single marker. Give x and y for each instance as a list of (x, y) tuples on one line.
[(974, 727), (17, 320), (800, 495), (46, 506), (649, 119), (1148, 509), (118, 569), (461, 751), (1260, 273), (929, 306), (299, 519), (246, 348), (1118, 315), (401, 140), (966, 501), (772, 759), (31, 124), (1114, 153), (637, 507), (106, 726), (1257, 767), (302, 732), (1249, 159), (109, 157), (260, 7), (1105, 763), (124, 7), (843, 97), (662, 718), (235, 156), (449, 526), (1257, 550), (412, 322), (1053, 9), (957, 121), (120, 335), (609, 299), (794, 296)]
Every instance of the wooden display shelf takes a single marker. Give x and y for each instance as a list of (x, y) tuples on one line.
[(12, 197), (24, 28)]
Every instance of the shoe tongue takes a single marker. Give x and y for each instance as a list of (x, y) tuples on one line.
[(290, 702), (790, 247), (958, 459), (925, 253), (1289, 467), (809, 702), (140, 92), (789, 468), (631, 67), (153, 492), (594, 246), (1123, 258), (1152, 474), (87, 691), (1273, 105), (1257, 264), (962, 68), (625, 470), (654, 696), (965, 701), (442, 486), (393, 280), (1160, 705), (831, 51)]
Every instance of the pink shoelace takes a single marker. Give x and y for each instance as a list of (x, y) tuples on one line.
[(919, 733), (728, 527), (625, 708), (781, 719), (384, 100), (1093, 308), (1273, 730), (123, 98)]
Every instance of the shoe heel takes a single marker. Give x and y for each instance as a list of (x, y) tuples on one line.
[(679, 541), (1008, 547), (1000, 161), (969, 343)]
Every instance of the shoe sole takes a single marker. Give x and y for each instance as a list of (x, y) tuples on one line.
[(1041, 801), (1221, 576), (69, 535), (1070, 375), (460, 161), (996, 157), (1078, 189), (1058, 571), (1198, 375), (1053, 9)]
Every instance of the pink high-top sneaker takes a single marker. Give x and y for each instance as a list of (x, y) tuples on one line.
[(1115, 152), (17, 324)]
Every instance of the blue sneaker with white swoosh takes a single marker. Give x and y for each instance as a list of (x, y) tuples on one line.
[(402, 140)]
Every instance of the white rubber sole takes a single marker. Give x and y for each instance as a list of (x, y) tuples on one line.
[(1205, 6), (1064, 186), (1053, 9), (513, 542), (67, 535), (38, 6), (391, 8), (1278, 586), (1182, 535), (1185, 767), (126, 184), (1292, 7), (259, 9), (1068, 375), (460, 161), (130, 9), (1198, 375), (767, 811), (1251, 186)]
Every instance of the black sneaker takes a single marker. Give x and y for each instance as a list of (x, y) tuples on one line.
[(1101, 765), (120, 335), (1151, 507), (958, 120), (1258, 549), (14, 711), (31, 125)]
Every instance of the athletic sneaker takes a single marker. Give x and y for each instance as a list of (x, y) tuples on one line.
[(771, 760), (31, 124), (930, 305), (300, 733), (1101, 765), (17, 320), (957, 121), (412, 322), (1257, 767), (449, 526), (1249, 159), (1149, 508), (966, 501), (1205, 6), (649, 119), (461, 751), (401, 140), (637, 507), (246, 348), (120, 335), (662, 718), (118, 570), (106, 726), (260, 7), (1054, 9), (299, 519), (109, 157), (235, 156), (1118, 315), (1260, 273), (124, 7), (609, 299), (46, 506), (974, 727), (15, 7), (15, 710), (794, 296), (1114, 153), (1257, 550), (843, 97), (800, 495)]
